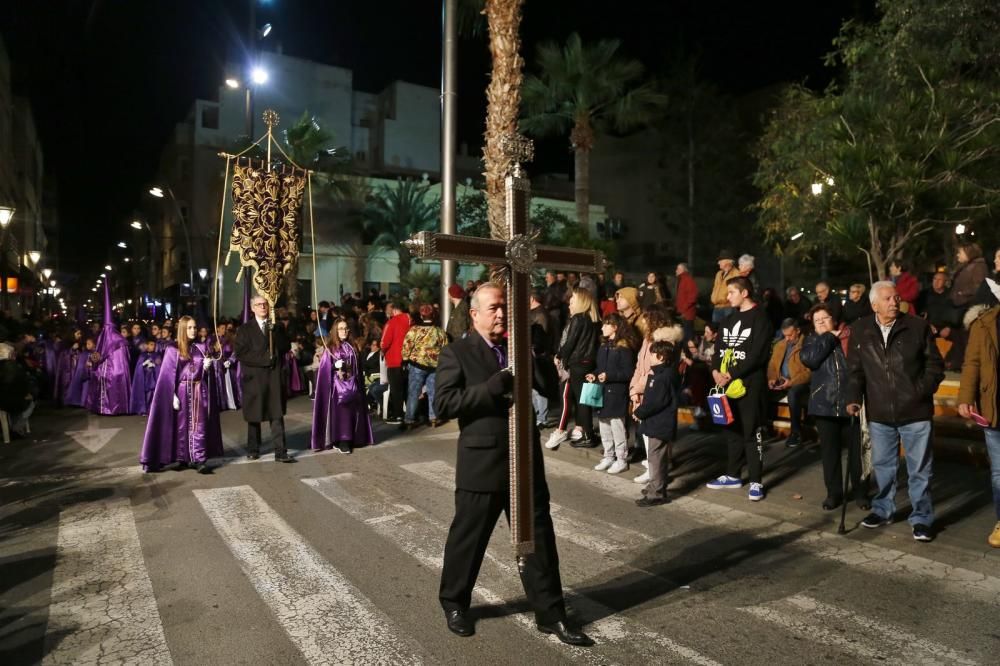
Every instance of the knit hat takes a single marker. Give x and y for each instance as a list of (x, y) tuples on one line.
[(631, 296), (456, 292)]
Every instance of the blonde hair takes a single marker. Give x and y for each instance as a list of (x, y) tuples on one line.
[(183, 344), (584, 304)]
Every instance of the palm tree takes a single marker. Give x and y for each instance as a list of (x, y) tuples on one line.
[(393, 214), (588, 89)]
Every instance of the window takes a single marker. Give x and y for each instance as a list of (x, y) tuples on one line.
[(210, 117)]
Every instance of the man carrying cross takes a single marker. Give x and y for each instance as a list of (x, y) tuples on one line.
[(474, 386)]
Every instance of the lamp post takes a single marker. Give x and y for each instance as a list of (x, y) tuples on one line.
[(6, 215), (158, 192)]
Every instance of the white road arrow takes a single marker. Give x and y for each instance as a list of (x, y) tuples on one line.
[(93, 439)]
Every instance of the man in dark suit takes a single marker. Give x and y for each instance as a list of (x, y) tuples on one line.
[(259, 348), (473, 385)]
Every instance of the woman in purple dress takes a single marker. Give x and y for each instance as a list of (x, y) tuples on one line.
[(183, 425), (340, 413)]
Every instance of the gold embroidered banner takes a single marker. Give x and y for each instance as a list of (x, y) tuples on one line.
[(266, 208)]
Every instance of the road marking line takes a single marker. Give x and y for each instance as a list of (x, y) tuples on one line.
[(905, 642), (303, 590), (822, 635), (422, 537), (586, 531), (869, 557), (103, 609)]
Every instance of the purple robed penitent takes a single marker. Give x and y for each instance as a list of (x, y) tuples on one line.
[(227, 378), (191, 434), (77, 389), (147, 368), (340, 413), (109, 388)]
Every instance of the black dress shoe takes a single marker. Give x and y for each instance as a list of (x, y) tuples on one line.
[(344, 447), (203, 468), (284, 458), (253, 456), (567, 634), (831, 503), (459, 623), (651, 501)]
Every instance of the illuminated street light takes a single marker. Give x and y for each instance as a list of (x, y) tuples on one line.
[(6, 215), (47, 272), (136, 224), (52, 283), (122, 245), (817, 189), (232, 83), (107, 268), (259, 76), (104, 275), (265, 30), (203, 273), (35, 256), (798, 235), (959, 229), (156, 192), (127, 260)]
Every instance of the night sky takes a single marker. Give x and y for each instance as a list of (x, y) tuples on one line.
[(108, 79)]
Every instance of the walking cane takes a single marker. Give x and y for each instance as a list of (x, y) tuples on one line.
[(847, 475)]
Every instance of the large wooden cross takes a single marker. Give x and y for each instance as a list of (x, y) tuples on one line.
[(519, 254)]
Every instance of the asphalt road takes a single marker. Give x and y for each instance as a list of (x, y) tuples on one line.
[(336, 560)]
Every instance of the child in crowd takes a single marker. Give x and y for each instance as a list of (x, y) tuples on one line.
[(615, 366), (657, 417)]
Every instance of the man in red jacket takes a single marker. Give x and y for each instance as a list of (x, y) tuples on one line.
[(396, 325), (687, 300)]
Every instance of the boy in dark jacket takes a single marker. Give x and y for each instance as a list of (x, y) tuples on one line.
[(657, 417)]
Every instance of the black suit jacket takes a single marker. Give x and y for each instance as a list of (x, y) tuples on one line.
[(261, 381), (461, 392)]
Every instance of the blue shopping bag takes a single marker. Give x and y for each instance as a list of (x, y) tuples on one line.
[(718, 405), (592, 395)]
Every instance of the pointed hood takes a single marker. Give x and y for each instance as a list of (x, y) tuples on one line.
[(109, 318)]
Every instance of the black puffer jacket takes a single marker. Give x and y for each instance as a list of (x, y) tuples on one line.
[(580, 347), (897, 380), (828, 384)]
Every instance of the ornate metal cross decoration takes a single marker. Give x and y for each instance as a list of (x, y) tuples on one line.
[(519, 255)]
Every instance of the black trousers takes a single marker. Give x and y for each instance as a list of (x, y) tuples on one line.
[(837, 434), (476, 515), (397, 393), (584, 413), (798, 400), (746, 437), (277, 435)]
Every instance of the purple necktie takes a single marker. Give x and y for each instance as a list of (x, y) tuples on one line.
[(501, 355)]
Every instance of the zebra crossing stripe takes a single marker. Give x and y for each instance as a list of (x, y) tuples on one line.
[(423, 538), (103, 609), (868, 557), (301, 588), (870, 638)]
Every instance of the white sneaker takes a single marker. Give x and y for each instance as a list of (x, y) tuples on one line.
[(555, 439), (576, 436), (604, 464), (645, 463), (642, 478), (618, 467)]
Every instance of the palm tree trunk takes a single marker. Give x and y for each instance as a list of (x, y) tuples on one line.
[(581, 187), (503, 99)]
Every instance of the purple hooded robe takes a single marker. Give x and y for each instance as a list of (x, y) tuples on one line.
[(147, 368), (109, 388), (340, 413), (191, 434)]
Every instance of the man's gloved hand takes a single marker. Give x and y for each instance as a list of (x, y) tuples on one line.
[(501, 383), (177, 403)]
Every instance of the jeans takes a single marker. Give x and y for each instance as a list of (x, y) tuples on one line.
[(719, 314), (919, 455), (688, 327), (993, 448), (418, 377), (798, 400), (541, 405)]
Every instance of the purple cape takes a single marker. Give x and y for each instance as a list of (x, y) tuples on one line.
[(76, 392), (160, 445), (334, 418), (143, 382), (109, 388)]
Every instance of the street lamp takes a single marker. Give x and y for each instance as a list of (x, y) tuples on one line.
[(35, 256), (47, 273), (798, 235), (203, 273), (258, 75), (136, 224), (6, 215), (232, 83), (817, 189), (959, 229), (158, 192), (122, 245), (107, 268)]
